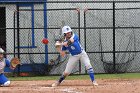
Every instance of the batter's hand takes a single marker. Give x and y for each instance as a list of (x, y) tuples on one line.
[(72, 40), (63, 53), (58, 44), (65, 44)]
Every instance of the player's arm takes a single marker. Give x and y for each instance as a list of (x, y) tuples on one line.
[(63, 53), (70, 41), (60, 48)]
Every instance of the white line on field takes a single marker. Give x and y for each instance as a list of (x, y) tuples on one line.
[(69, 90)]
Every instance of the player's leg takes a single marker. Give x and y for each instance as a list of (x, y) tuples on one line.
[(85, 59), (4, 80), (69, 67)]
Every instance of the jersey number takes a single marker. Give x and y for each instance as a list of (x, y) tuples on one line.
[(72, 47)]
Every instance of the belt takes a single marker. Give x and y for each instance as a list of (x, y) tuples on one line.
[(79, 52)]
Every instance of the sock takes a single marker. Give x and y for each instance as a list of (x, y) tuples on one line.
[(91, 74), (61, 78)]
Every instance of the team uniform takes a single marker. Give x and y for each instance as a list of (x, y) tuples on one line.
[(76, 53), (3, 63)]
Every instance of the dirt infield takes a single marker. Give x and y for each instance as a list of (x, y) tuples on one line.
[(74, 86)]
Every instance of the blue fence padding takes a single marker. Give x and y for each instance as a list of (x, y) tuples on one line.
[(22, 0), (29, 68)]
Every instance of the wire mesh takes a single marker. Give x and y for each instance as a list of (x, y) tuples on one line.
[(104, 30)]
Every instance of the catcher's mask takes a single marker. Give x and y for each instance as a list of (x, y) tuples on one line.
[(1, 54), (1, 51)]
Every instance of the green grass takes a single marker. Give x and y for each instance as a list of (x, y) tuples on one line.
[(81, 77), (117, 76)]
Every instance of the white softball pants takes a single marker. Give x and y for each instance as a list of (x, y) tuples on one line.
[(83, 57)]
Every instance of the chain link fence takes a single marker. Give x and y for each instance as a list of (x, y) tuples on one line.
[(108, 31)]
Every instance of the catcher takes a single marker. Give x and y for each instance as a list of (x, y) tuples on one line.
[(3, 63)]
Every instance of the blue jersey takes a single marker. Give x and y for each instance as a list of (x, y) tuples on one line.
[(7, 62), (75, 48), (4, 63)]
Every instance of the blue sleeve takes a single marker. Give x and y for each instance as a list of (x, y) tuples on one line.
[(7, 62), (75, 37), (64, 48)]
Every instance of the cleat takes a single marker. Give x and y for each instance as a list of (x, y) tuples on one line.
[(95, 83), (55, 84)]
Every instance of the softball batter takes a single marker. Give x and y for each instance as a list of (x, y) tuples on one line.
[(72, 44)]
